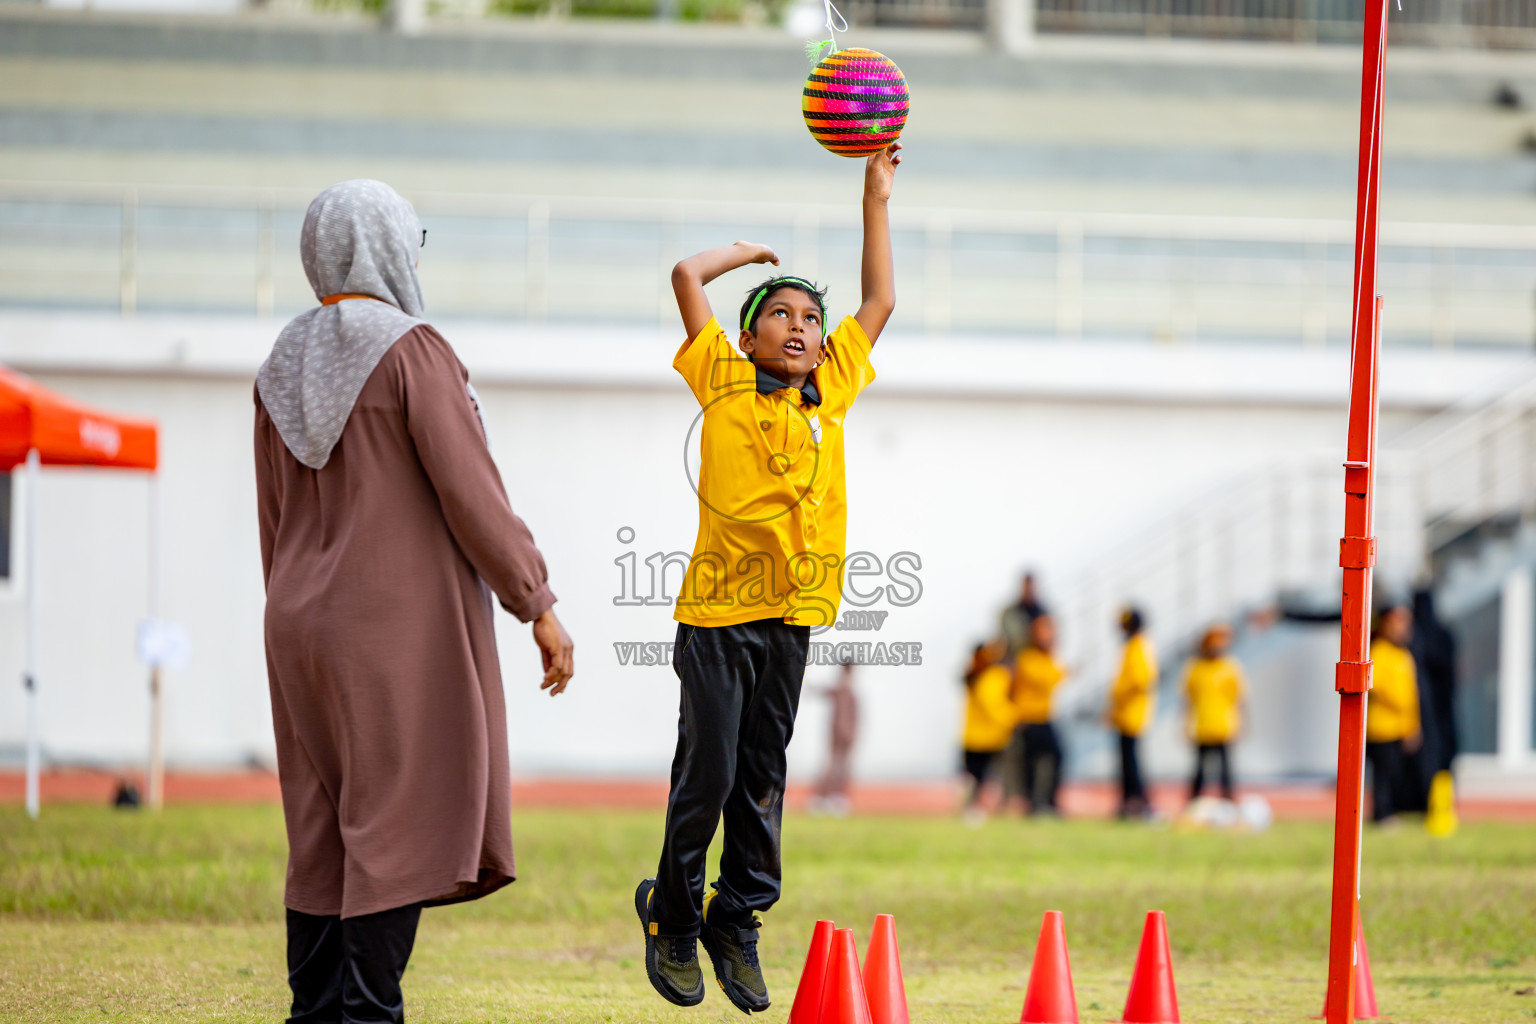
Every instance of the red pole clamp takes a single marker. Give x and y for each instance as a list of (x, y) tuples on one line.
[(1357, 552), (1357, 477), (1352, 676)]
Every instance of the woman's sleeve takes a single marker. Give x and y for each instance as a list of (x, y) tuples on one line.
[(451, 444), (267, 503)]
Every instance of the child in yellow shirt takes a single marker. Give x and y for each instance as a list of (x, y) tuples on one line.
[(1035, 678), (1130, 709), (989, 717), (1214, 687), (767, 567), (1391, 709)]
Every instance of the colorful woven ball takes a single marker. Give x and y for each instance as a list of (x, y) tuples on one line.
[(855, 102)]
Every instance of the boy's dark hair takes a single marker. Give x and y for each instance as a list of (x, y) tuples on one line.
[(757, 296), (1131, 621)]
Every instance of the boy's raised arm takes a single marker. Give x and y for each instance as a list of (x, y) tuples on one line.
[(878, 273), (691, 275)]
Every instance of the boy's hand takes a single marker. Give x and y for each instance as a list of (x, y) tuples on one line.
[(877, 272), (691, 275), (755, 252), (880, 172)]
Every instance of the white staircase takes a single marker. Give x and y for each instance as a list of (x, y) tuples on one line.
[(1272, 532)]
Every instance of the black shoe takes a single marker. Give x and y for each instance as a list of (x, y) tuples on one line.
[(671, 964), (733, 951)]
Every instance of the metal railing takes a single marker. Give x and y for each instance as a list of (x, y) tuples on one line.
[(536, 259), (1495, 24)]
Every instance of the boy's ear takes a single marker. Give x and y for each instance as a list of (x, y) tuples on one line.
[(747, 342)]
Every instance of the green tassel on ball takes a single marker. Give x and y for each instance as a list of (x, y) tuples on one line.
[(818, 49)]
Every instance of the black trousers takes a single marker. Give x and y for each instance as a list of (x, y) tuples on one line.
[(1386, 777), (1133, 795), (347, 971), (740, 693), (1041, 775), (977, 763), (1223, 769)]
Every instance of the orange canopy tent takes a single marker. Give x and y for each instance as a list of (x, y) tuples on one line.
[(66, 433), (41, 428)]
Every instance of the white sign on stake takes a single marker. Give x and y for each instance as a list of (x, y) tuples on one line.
[(164, 644)]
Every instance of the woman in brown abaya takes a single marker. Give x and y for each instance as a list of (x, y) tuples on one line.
[(385, 530)]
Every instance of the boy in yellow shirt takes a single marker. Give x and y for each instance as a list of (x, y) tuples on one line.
[(1215, 690), (1130, 709), (1391, 709), (1035, 678), (989, 717), (767, 566)]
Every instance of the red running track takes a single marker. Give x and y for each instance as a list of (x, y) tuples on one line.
[(1312, 802)]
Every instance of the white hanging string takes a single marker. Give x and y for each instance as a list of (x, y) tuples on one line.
[(833, 30)]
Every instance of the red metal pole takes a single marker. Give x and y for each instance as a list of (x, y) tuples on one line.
[(1357, 549)]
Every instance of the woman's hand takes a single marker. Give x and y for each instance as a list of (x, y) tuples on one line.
[(558, 651)]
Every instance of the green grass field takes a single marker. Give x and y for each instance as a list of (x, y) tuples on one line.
[(109, 916)]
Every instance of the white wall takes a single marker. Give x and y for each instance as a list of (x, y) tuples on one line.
[(1036, 458)]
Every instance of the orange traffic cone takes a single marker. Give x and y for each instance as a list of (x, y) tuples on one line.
[(1365, 989), (1152, 999), (843, 1000), (882, 974), (813, 977), (1050, 999)]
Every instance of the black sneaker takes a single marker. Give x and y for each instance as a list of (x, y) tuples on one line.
[(671, 964), (733, 951)]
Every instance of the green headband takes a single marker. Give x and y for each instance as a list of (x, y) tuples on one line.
[(775, 284)]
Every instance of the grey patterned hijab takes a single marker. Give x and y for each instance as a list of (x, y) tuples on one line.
[(360, 238)]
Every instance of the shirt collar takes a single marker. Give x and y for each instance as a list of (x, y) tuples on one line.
[(767, 384)]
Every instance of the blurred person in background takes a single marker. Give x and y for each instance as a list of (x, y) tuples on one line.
[(832, 790), (1130, 709), (1036, 676), (385, 531), (1434, 653), (1391, 709), (989, 719), (1013, 627), (1018, 617), (1215, 691)]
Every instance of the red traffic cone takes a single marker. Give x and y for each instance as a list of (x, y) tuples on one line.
[(1365, 989), (882, 974), (843, 1000), (1050, 999), (813, 977), (1151, 999)]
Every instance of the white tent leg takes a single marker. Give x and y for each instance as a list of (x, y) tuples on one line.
[(155, 783), (29, 671), (156, 743)]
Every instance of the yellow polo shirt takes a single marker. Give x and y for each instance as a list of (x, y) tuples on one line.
[(1392, 709), (773, 513), (1131, 698), (1215, 689), (1035, 679), (989, 716)]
